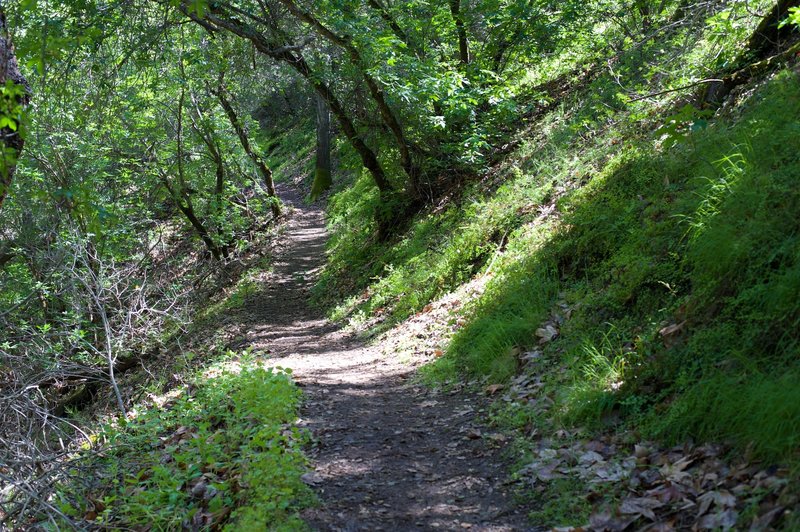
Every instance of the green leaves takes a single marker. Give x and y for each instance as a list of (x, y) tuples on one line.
[(679, 126), (12, 97), (793, 18), (10, 123), (220, 453), (195, 7)]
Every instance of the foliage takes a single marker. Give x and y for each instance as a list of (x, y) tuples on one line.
[(655, 242), (222, 451), (552, 150), (793, 18)]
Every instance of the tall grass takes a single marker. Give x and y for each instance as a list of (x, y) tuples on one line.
[(595, 211)]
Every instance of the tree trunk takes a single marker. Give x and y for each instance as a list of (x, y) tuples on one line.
[(411, 47), (215, 153), (187, 209), (756, 58), (406, 160), (7, 253), (11, 142), (322, 172), (292, 57), (768, 36), (258, 161), (461, 31), (181, 197)]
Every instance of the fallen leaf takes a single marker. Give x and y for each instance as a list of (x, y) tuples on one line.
[(724, 498), (473, 434), (493, 388), (530, 356), (640, 451), (312, 478), (763, 522), (548, 454), (640, 506), (546, 333), (497, 437), (199, 489), (604, 521), (590, 457), (725, 520), (671, 333), (664, 526), (612, 473)]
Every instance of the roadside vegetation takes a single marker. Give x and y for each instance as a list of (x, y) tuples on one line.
[(221, 449)]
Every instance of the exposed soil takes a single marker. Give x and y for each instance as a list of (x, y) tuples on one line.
[(389, 454)]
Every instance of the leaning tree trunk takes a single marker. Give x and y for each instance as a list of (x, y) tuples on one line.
[(292, 57), (769, 46), (15, 98), (388, 116), (182, 199), (258, 161), (322, 172), (770, 35)]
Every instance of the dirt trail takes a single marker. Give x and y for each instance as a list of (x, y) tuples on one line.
[(390, 455)]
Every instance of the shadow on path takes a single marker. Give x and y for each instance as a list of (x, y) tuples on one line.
[(390, 455)]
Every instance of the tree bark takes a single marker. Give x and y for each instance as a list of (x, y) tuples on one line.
[(264, 170), (11, 142), (6, 253), (181, 197), (322, 172), (756, 58), (768, 36), (411, 47), (186, 207), (715, 92), (207, 136), (461, 31)]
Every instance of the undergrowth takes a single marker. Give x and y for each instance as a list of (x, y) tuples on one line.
[(703, 238), (223, 451), (676, 250)]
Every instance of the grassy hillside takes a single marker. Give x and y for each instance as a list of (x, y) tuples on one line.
[(647, 246)]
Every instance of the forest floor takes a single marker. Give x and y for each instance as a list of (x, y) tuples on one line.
[(388, 453)]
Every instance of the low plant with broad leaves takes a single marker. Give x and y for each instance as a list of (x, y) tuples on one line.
[(222, 452)]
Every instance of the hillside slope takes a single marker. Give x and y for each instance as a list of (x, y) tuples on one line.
[(641, 251)]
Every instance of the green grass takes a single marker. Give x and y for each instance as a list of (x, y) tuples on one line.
[(290, 150), (564, 504), (643, 236), (757, 412), (439, 251), (706, 233), (223, 452)]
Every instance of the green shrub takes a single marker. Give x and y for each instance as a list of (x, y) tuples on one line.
[(224, 451)]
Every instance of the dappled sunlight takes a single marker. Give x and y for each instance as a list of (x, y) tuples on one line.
[(387, 450), (500, 265)]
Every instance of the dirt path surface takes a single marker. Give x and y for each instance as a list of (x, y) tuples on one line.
[(389, 454)]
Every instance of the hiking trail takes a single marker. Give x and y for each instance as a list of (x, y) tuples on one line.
[(389, 453)]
